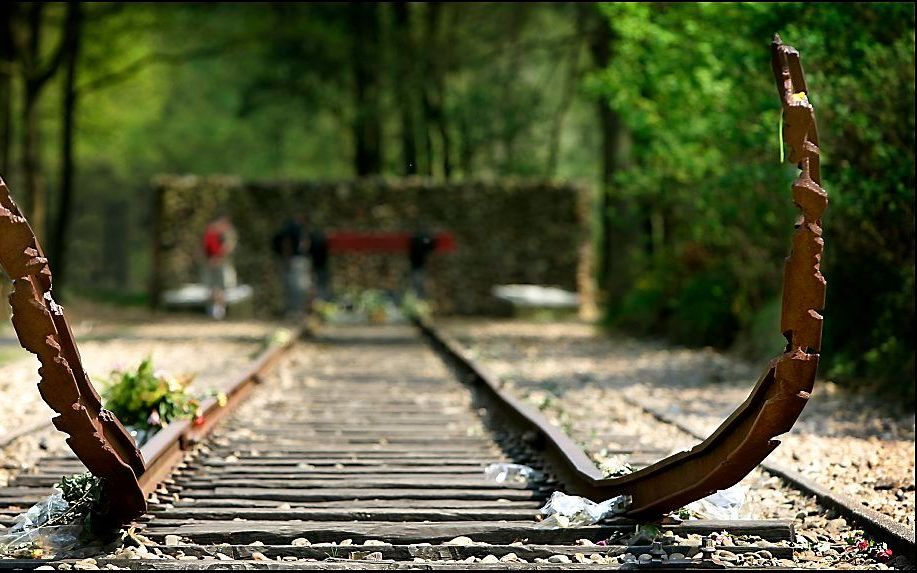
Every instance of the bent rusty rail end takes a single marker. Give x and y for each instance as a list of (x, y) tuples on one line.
[(96, 435), (750, 433)]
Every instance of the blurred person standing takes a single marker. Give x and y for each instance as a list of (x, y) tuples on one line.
[(421, 245), (220, 240), (290, 244), (318, 253)]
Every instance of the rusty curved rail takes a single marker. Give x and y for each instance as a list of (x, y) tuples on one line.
[(747, 436), (96, 435)]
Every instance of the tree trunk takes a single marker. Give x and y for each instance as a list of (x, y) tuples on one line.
[(367, 123), (31, 159), (434, 94), (466, 150), (64, 215), (610, 125), (444, 130), (557, 126), (35, 193), (7, 56), (407, 83), (6, 109), (35, 76), (566, 99)]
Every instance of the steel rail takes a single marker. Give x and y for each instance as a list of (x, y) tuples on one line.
[(128, 474), (167, 448), (899, 537), (721, 460), (749, 434), (333, 472), (96, 435)]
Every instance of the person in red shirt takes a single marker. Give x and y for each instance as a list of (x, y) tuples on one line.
[(219, 243)]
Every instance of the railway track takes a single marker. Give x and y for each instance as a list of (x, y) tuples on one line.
[(368, 452), (364, 449)]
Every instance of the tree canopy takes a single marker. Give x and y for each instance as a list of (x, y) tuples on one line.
[(667, 110)]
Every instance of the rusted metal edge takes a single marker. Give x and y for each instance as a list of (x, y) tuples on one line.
[(748, 435), (898, 536), (167, 448), (96, 435)]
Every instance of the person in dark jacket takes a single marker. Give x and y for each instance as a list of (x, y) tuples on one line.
[(318, 253), (290, 244), (422, 244)]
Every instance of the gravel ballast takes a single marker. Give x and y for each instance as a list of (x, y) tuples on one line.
[(851, 443)]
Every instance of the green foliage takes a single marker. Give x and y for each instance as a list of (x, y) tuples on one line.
[(700, 206), (116, 298), (80, 487), (648, 531), (702, 311), (145, 399), (84, 494), (414, 307), (326, 310), (279, 337), (692, 82), (870, 231), (759, 339), (267, 92), (371, 301)]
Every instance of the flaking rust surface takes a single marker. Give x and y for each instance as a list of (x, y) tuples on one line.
[(96, 436), (747, 436)]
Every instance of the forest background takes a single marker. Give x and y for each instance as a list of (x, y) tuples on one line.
[(667, 111)]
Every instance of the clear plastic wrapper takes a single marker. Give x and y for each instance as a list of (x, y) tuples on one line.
[(48, 528), (511, 474), (724, 504), (564, 510), (141, 436), (59, 526)]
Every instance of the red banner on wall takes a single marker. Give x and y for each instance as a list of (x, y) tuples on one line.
[(377, 242)]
